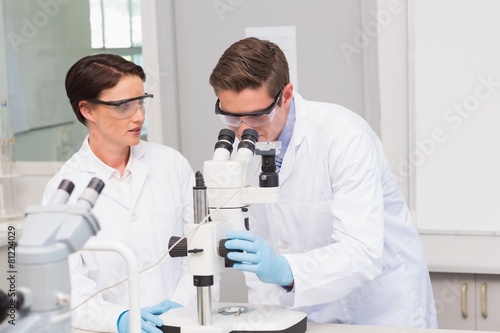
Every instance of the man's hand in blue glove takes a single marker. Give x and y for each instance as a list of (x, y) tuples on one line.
[(150, 319), (258, 257)]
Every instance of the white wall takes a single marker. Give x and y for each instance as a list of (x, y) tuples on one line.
[(393, 71)]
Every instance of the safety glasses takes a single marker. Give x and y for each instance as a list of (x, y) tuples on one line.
[(252, 119), (125, 108)]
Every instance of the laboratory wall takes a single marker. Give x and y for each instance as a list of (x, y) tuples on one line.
[(393, 68)]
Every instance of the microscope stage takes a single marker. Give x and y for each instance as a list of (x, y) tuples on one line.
[(235, 318)]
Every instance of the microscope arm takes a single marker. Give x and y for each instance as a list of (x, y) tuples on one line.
[(133, 271)]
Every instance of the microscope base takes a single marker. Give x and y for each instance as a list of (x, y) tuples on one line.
[(236, 318)]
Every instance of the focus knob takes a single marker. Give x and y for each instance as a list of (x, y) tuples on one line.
[(179, 250), (223, 251)]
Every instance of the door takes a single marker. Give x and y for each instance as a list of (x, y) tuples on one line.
[(454, 295), (488, 302)]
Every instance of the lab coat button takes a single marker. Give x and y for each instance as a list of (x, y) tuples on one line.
[(284, 245)]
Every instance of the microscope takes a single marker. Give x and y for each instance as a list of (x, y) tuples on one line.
[(39, 298), (221, 198)]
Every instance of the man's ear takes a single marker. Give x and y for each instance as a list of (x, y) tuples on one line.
[(287, 94)]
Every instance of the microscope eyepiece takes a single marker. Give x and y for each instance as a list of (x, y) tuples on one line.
[(226, 134), (225, 140), (89, 195), (96, 184), (66, 185), (63, 192), (248, 139)]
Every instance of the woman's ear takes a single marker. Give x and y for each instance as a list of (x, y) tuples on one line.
[(86, 110)]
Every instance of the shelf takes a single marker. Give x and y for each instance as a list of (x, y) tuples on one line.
[(8, 217), (10, 176)]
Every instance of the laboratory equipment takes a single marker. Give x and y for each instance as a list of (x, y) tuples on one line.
[(222, 198), (8, 202), (6, 140), (39, 296)]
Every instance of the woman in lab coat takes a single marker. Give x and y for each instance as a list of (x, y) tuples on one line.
[(147, 198), (340, 245)]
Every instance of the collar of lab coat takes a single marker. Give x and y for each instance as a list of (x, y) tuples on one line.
[(300, 119), (297, 136), (139, 171)]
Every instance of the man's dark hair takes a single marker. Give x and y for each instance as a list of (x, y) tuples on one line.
[(251, 63)]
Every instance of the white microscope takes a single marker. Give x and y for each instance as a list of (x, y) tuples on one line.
[(222, 199), (40, 298)]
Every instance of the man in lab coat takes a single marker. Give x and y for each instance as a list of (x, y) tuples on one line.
[(147, 198), (340, 244)]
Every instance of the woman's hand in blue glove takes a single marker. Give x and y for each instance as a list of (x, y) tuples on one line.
[(258, 257), (149, 316)]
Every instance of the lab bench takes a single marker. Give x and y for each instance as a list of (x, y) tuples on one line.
[(337, 328)]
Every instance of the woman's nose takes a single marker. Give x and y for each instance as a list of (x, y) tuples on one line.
[(139, 115)]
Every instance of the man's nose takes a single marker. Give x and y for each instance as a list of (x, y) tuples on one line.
[(243, 126)]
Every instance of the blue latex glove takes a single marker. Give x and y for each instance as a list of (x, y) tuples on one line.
[(150, 319), (258, 257)]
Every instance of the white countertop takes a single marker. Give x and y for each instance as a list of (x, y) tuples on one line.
[(337, 328)]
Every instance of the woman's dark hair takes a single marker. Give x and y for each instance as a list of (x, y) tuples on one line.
[(251, 63), (92, 74)]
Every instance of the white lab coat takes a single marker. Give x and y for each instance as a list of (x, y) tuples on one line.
[(161, 207), (343, 225)]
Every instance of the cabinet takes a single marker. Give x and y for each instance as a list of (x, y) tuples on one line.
[(453, 158), (467, 301)]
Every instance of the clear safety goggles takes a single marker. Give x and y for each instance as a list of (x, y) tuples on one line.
[(125, 108), (252, 119)]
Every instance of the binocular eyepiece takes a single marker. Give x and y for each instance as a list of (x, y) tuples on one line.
[(225, 140), (268, 151), (227, 136), (248, 139)]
